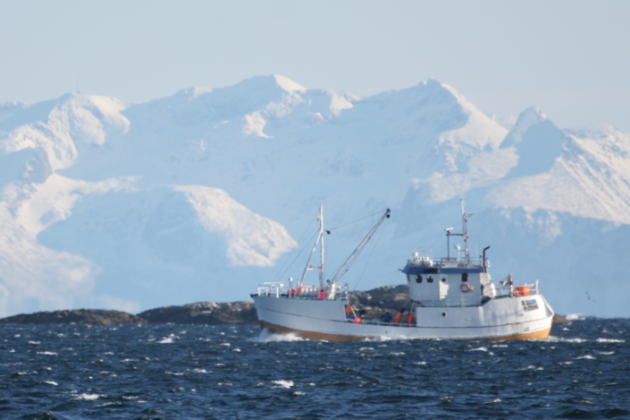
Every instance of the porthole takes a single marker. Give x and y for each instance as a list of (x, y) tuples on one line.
[(443, 280), (429, 279), (443, 313)]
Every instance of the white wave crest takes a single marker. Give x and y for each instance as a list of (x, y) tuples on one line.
[(268, 337), (88, 397), (283, 384), (495, 401), (168, 340), (610, 340), (567, 340)]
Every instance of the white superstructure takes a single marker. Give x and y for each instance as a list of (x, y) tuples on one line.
[(451, 297)]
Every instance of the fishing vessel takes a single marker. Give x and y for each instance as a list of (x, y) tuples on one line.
[(449, 298)]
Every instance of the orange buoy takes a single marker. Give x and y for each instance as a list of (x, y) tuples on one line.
[(357, 320), (465, 288), (521, 291)]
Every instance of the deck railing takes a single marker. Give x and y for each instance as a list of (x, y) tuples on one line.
[(425, 261), (270, 289), (509, 290), (306, 292)]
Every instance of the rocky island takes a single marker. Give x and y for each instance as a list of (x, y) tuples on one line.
[(371, 304), (77, 316)]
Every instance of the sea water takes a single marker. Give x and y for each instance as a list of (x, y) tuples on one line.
[(234, 372)]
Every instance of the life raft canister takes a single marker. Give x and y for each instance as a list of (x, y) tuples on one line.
[(465, 288), (322, 294), (300, 290), (291, 291), (521, 291)]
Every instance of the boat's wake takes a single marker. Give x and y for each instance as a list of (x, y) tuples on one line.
[(267, 336)]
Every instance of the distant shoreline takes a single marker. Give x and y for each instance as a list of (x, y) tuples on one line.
[(205, 313), (373, 303)]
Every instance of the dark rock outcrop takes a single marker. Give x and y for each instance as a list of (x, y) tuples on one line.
[(377, 302), (79, 316), (559, 319), (208, 313)]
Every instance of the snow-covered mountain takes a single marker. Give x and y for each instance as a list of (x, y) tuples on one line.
[(206, 193)]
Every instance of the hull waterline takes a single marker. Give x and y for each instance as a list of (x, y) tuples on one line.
[(313, 335)]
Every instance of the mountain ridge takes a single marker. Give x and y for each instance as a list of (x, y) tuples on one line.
[(208, 191)]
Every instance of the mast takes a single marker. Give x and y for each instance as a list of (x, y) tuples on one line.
[(320, 237), (465, 217), (321, 248)]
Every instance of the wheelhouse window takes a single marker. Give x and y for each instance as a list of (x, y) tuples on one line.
[(429, 279), (418, 278)]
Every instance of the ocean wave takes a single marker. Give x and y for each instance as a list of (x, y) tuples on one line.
[(130, 377), (88, 397), (283, 383), (479, 349), (269, 337), (567, 339), (168, 340), (50, 383)]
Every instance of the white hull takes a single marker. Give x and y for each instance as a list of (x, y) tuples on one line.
[(498, 319)]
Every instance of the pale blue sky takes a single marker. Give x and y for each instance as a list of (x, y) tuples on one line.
[(571, 58)]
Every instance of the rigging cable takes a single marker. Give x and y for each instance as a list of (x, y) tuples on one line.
[(353, 257), (359, 220), (370, 258), (299, 253)]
